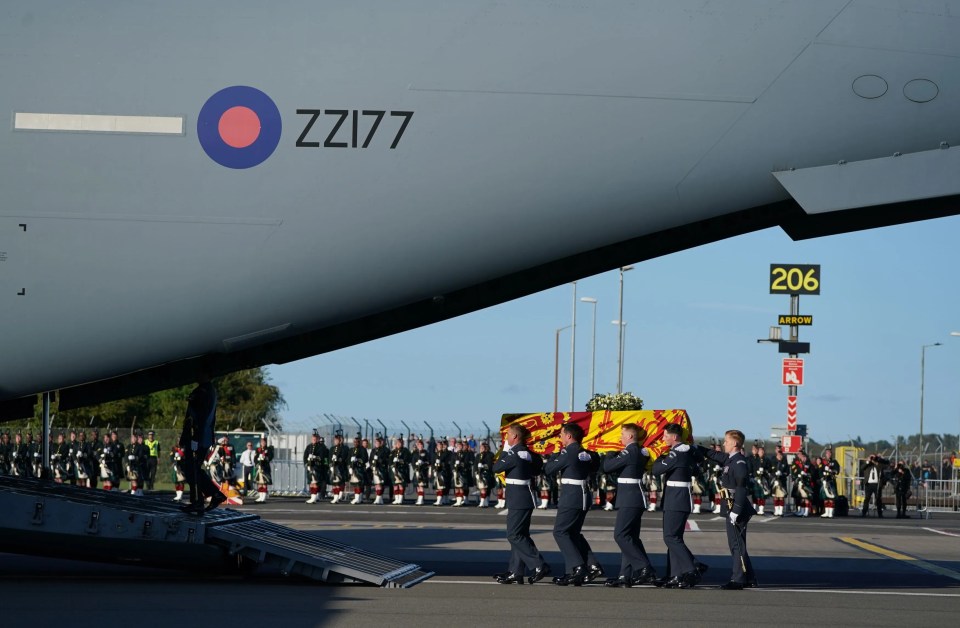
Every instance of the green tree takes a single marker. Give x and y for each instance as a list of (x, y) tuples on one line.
[(245, 395)]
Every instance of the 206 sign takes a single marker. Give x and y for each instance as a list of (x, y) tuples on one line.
[(794, 278)]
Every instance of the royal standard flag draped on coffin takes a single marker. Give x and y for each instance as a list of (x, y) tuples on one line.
[(601, 429)]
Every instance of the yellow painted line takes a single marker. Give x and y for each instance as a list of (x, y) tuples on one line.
[(889, 553)]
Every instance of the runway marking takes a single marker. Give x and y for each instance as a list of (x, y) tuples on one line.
[(768, 519), (889, 553), (716, 519), (941, 532), (692, 526), (853, 592)]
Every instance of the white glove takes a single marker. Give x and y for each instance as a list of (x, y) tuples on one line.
[(645, 452), (353, 458), (584, 456), (523, 455), (733, 518), (130, 457), (194, 445)]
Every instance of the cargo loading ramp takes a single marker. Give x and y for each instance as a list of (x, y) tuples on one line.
[(39, 517), (295, 552)]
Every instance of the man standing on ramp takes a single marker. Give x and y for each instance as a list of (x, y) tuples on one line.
[(197, 436)]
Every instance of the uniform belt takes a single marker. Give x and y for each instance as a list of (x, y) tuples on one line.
[(628, 480), (520, 482), (684, 484), (572, 481)]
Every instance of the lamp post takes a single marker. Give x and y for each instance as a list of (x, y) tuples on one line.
[(573, 345), (622, 334), (556, 366), (623, 269), (957, 333), (923, 356), (593, 344)]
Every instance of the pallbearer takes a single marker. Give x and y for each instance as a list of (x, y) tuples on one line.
[(635, 567), (574, 464), (735, 506), (675, 467), (521, 466)]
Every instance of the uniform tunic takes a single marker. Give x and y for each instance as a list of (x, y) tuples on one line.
[(520, 467), (631, 504), (674, 468), (735, 479), (574, 464)]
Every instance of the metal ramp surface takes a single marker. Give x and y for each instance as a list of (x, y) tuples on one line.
[(298, 552), (38, 517)]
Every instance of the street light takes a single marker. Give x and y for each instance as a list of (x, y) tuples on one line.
[(923, 356), (573, 346), (556, 366), (593, 344), (623, 269), (957, 333), (623, 341)]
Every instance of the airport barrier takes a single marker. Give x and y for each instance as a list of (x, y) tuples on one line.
[(925, 495), (289, 477)]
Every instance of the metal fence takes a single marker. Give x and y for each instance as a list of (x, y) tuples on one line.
[(925, 495)]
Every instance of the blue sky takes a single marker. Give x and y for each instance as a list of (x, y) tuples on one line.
[(693, 319)]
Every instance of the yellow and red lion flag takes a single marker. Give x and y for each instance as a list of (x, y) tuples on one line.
[(601, 429)]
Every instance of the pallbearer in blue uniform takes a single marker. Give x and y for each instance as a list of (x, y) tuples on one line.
[(574, 464), (675, 470), (635, 567), (735, 506), (521, 466)]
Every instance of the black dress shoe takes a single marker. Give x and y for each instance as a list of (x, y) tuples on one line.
[(576, 578), (689, 580), (217, 499), (660, 583), (646, 576), (673, 583), (503, 574), (193, 509), (700, 567), (751, 584), (539, 573), (510, 578), (622, 581), (596, 571), (732, 586)]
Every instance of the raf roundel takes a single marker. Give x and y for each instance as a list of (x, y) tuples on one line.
[(239, 127)]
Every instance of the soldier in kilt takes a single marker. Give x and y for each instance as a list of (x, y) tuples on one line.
[(781, 471), (442, 472), (802, 484), (314, 462), (420, 459), (5, 453), (59, 460), (829, 470), (133, 470), (338, 467), (357, 468), (177, 471), (399, 470), (462, 473), (107, 464), (264, 457), (483, 472), (379, 459)]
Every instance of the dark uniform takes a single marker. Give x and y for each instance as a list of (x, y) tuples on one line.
[(674, 468), (264, 457), (420, 459), (635, 567), (399, 471), (379, 461), (195, 439), (483, 472), (521, 467), (338, 468), (442, 472), (462, 464), (829, 470), (358, 470), (5, 454), (903, 480), (60, 459), (314, 462), (781, 471), (574, 464), (734, 482)]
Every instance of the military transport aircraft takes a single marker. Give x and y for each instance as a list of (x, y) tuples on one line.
[(251, 183)]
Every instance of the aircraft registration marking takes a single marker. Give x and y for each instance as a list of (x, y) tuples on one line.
[(90, 123)]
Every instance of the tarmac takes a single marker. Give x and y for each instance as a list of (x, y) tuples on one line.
[(848, 571)]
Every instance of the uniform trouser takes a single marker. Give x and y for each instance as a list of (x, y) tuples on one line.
[(626, 532), (901, 502), (737, 540), (523, 552), (574, 547), (197, 478), (679, 557), (151, 472), (868, 491)]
